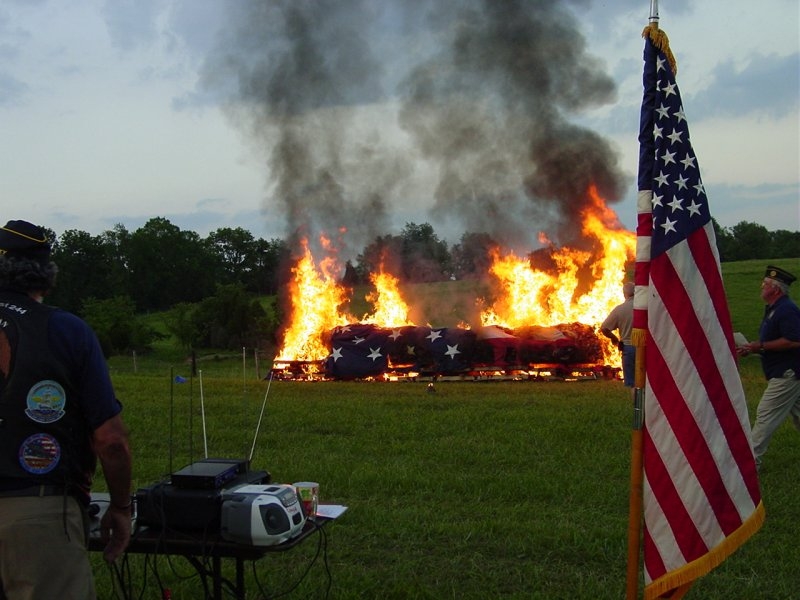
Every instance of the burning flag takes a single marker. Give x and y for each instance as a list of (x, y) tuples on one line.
[(701, 498)]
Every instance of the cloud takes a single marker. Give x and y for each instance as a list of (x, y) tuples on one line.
[(737, 92), (12, 90)]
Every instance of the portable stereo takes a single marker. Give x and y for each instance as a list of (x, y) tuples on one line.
[(261, 515)]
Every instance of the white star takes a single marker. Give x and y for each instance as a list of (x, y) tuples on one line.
[(668, 89), (337, 354), (358, 340), (688, 162), (663, 112), (452, 351), (374, 354), (676, 204), (657, 132), (657, 200), (701, 190), (693, 208), (675, 136), (659, 63), (410, 350), (668, 226), (662, 179), (680, 115), (668, 157), (344, 329), (434, 335), (395, 334), (681, 182)]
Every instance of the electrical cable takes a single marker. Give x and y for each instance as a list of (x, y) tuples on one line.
[(322, 549)]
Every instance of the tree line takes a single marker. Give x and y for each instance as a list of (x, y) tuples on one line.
[(214, 289)]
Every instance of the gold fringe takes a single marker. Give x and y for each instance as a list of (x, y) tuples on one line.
[(638, 337), (660, 41), (682, 578)]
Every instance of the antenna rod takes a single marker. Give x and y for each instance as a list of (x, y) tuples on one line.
[(654, 11), (261, 416), (171, 412), (203, 413)]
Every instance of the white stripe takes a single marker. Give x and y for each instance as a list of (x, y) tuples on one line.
[(644, 202)]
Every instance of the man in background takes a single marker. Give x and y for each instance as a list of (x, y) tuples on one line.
[(621, 319), (779, 347), (58, 417)]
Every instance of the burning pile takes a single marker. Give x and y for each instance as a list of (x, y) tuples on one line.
[(542, 319)]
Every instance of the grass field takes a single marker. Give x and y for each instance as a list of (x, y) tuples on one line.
[(477, 490)]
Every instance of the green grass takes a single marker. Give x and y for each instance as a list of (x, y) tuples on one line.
[(479, 490)]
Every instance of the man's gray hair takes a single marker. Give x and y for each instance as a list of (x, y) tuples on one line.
[(783, 287), (26, 274)]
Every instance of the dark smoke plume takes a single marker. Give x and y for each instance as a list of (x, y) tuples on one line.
[(351, 100)]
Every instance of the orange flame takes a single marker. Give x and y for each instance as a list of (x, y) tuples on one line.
[(390, 308), (316, 299), (548, 298)]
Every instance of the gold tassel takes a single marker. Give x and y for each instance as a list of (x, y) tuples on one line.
[(661, 41)]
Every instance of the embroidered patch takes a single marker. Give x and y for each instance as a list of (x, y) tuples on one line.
[(39, 454), (46, 402)]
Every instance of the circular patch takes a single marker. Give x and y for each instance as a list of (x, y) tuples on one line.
[(39, 454), (46, 402)]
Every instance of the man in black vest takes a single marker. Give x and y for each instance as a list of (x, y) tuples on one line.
[(58, 417)]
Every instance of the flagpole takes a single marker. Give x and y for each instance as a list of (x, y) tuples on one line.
[(635, 501)]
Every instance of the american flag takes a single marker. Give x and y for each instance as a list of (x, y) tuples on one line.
[(701, 498)]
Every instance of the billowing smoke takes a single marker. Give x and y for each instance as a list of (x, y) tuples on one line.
[(453, 112)]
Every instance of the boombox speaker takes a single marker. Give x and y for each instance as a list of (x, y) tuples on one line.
[(261, 515)]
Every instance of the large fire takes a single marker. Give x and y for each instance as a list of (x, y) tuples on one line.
[(552, 297), (316, 301), (577, 286)]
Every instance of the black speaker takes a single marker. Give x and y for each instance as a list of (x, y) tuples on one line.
[(275, 518)]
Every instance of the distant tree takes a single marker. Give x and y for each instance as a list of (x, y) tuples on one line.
[(350, 277), (231, 318), (425, 257), (471, 256), (751, 241), (385, 252), (168, 266), (117, 326), (180, 322), (235, 250), (270, 267), (785, 244), (725, 240), (84, 269)]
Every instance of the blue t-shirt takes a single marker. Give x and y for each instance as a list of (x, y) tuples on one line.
[(73, 342), (781, 320)]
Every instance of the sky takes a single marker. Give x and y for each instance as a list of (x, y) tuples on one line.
[(286, 116)]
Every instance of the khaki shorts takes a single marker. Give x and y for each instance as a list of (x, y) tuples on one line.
[(43, 552)]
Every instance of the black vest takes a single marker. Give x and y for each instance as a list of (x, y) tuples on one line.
[(44, 437)]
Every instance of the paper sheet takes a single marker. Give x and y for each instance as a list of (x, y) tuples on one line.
[(330, 511)]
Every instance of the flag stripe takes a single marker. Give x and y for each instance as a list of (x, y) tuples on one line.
[(701, 493)]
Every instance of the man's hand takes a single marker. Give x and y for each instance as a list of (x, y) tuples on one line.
[(115, 531), (621, 346)]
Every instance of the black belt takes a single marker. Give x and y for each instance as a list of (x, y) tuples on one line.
[(34, 490)]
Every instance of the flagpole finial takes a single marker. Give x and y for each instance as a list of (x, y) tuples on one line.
[(654, 11)]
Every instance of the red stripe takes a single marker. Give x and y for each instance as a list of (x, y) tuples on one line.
[(644, 224), (681, 420), (689, 540)]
